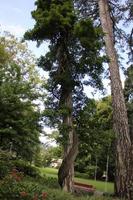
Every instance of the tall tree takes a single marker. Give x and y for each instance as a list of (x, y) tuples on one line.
[(74, 53), (123, 166)]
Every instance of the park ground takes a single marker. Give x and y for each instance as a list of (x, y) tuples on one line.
[(99, 185)]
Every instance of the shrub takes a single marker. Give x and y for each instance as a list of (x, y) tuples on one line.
[(5, 163), (90, 170), (8, 162), (5, 155), (81, 175), (4, 168), (54, 194), (15, 187), (27, 169), (50, 182)]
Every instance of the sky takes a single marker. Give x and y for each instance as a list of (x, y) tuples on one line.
[(15, 17)]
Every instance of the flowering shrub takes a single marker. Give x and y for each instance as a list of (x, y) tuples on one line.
[(23, 194), (44, 195), (17, 176), (14, 187)]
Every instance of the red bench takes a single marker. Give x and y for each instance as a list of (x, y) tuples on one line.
[(83, 187)]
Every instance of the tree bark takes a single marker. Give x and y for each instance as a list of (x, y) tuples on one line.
[(66, 171), (121, 127)]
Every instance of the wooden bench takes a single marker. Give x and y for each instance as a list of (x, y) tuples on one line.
[(80, 187)]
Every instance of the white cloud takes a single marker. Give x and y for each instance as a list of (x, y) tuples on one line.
[(45, 139), (16, 30)]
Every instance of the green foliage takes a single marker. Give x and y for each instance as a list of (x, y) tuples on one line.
[(74, 52), (5, 163), (4, 55), (51, 14), (128, 89), (15, 187), (89, 173), (50, 154), (57, 195), (99, 185), (50, 182), (46, 154), (87, 34), (8, 162), (27, 189), (97, 137), (81, 175), (6, 156), (26, 168), (90, 170), (128, 93), (19, 116)]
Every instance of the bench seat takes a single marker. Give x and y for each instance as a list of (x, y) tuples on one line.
[(83, 187)]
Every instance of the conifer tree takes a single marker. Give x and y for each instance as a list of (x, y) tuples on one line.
[(73, 54)]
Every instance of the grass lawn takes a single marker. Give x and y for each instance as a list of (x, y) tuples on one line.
[(100, 185)]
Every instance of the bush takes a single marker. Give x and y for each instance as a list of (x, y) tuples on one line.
[(5, 163), (15, 187), (59, 195), (50, 182), (6, 155), (27, 169), (81, 175), (5, 168), (90, 170), (8, 162)]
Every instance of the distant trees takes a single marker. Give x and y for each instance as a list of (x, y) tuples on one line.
[(19, 115), (128, 94), (96, 138), (129, 20)]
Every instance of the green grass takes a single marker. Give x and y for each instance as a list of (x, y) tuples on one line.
[(99, 185)]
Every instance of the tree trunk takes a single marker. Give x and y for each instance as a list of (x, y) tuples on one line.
[(121, 128), (68, 180), (66, 171)]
